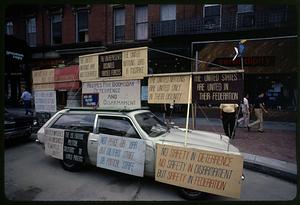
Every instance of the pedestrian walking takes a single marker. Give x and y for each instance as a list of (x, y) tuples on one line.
[(172, 104), (228, 116), (26, 97), (244, 121), (259, 108)]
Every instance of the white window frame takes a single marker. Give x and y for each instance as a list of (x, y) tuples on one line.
[(52, 43), (115, 24), (165, 6), (31, 29), (142, 22), (245, 11), (9, 28), (77, 30), (210, 5)]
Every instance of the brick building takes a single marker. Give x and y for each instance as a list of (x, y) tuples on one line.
[(57, 34)]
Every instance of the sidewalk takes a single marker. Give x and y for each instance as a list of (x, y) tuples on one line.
[(272, 152)]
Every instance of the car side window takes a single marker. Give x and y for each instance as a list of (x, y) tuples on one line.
[(81, 122), (118, 126)]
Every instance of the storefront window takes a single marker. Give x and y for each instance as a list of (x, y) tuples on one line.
[(212, 16)]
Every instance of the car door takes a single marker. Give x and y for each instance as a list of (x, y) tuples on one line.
[(115, 126)]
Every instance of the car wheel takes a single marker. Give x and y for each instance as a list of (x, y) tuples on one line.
[(191, 194), (70, 166)]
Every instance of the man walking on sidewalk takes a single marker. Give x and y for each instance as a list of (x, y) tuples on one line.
[(27, 97), (259, 108), (245, 111), (228, 117)]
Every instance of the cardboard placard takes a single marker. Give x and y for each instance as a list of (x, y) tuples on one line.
[(213, 172), (43, 76), (110, 65), (75, 146), (45, 101), (54, 142), (46, 86), (88, 67), (135, 63), (217, 88), (165, 89), (115, 94), (121, 154)]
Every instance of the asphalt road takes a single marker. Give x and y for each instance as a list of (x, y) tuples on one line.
[(30, 175)]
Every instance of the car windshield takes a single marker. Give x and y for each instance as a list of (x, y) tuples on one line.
[(151, 124)]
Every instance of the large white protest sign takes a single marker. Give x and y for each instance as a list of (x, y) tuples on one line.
[(121, 154), (45, 101), (115, 94), (54, 144)]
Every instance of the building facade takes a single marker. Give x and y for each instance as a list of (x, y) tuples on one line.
[(175, 34)]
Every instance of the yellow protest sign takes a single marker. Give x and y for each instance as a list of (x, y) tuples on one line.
[(135, 63), (166, 89), (43, 76), (213, 172), (88, 67)]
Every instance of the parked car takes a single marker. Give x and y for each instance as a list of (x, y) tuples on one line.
[(139, 124), (18, 126)]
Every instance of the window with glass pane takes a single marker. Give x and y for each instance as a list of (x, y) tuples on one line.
[(244, 8), (118, 126), (119, 24), (212, 14), (81, 122), (168, 12), (212, 10), (31, 32), (9, 28), (82, 26), (141, 23), (56, 29)]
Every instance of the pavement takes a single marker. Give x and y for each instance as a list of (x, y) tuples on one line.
[(272, 152)]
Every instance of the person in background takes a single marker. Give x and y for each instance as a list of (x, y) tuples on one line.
[(172, 104), (245, 111), (259, 108), (228, 116), (26, 97)]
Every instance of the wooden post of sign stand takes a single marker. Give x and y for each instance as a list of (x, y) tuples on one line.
[(188, 111)]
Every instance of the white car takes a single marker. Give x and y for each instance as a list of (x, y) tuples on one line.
[(139, 124)]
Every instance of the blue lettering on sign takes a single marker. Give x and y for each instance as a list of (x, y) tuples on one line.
[(103, 140)]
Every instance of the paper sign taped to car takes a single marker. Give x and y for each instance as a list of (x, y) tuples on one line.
[(115, 94), (121, 154), (213, 172), (167, 89), (54, 142)]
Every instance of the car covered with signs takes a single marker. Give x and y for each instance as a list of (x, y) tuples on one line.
[(124, 141)]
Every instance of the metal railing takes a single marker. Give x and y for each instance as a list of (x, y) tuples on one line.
[(228, 23)]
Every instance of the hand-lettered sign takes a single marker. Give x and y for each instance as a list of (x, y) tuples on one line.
[(54, 142), (115, 94), (88, 67), (213, 172), (45, 101), (75, 146), (217, 88), (121, 154), (110, 65), (167, 89)]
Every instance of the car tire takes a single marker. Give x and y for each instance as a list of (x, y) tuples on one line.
[(191, 194), (70, 166)]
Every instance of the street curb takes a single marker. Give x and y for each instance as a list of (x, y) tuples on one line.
[(276, 168)]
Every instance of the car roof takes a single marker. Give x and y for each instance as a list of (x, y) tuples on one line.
[(87, 110)]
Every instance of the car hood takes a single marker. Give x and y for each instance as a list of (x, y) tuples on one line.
[(198, 139)]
